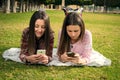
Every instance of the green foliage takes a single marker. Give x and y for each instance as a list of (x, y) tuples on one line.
[(108, 3), (58, 2), (105, 30)]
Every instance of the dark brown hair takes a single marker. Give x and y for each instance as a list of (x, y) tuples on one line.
[(71, 19), (41, 14)]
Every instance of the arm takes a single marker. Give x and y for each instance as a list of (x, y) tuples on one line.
[(51, 46), (24, 55), (24, 46), (86, 47)]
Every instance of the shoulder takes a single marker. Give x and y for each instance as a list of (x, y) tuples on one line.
[(25, 33), (51, 35), (26, 30), (88, 33), (59, 32)]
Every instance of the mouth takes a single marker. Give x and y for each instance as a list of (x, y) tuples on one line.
[(73, 37), (38, 33)]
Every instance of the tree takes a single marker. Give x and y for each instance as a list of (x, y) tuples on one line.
[(13, 7), (21, 6), (107, 3), (7, 6), (63, 3), (58, 2)]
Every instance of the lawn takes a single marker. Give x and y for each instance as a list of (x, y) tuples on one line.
[(105, 30)]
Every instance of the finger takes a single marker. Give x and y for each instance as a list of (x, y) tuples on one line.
[(38, 55), (72, 58), (45, 61), (35, 61)]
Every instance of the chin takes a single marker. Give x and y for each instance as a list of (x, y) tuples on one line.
[(38, 36), (73, 38)]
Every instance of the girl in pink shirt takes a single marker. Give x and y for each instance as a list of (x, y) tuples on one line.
[(75, 39)]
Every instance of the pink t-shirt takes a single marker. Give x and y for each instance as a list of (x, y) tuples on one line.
[(84, 47)]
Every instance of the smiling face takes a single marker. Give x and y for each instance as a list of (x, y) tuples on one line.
[(39, 28), (73, 32)]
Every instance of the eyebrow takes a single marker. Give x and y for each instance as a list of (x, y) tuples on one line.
[(38, 25)]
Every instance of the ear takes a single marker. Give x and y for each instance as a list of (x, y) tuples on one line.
[(65, 11)]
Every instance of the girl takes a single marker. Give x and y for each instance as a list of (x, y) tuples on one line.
[(75, 42), (37, 36)]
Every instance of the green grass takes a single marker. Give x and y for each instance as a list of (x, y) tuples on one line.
[(105, 30)]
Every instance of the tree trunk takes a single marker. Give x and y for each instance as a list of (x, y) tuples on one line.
[(35, 6), (63, 3), (32, 6), (94, 8), (23, 9), (105, 6), (27, 5), (13, 5), (7, 7), (21, 6), (51, 6), (3, 5)]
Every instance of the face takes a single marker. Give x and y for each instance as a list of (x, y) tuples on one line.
[(73, 31), (39, 28)]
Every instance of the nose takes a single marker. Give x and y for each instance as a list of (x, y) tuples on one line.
[(39, 29), (73, 34)]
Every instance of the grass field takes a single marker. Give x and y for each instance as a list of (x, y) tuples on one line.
[(105, 30)]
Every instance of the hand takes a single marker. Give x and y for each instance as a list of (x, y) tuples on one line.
[(79, 59), (33, 58), (38, 58), (44, 59), (64, 57), (76, 59)]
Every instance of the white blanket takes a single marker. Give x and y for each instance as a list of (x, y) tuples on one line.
[(96, 58)]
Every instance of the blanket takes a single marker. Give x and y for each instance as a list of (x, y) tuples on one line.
[(96, 58)]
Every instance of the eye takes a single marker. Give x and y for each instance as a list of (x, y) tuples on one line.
[(69, 31), (76, 30), (43, 27), (36, 26)]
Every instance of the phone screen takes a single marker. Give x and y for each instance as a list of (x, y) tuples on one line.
[(41, 51), (70, 54)]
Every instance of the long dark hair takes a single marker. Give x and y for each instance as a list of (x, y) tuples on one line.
[(41, 14), (71, 19)]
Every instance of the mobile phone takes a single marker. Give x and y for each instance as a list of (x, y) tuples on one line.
[(41, 51), (70, 54)]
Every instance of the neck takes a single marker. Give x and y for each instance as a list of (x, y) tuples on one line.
[(74, 41)]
